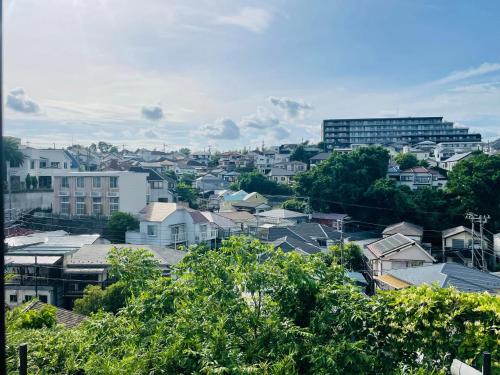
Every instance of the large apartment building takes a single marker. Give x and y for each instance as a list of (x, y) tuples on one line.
[(338, 133), (99, 193)]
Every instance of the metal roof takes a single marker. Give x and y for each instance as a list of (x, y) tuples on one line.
[(457, 157), (281, 213), (450, 274), (389, 244), (406, 228)]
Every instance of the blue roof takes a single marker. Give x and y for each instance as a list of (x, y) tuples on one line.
[(74, 162)]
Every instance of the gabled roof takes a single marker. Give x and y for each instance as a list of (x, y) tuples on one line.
[(456, 230), (328, 216), (236, 196), (416, 170), (322, 156), (389, 244), (247, 204), (457, 157), (219, 220), (197, 216), (289, 243), (281, 213), (65, 317), (306, 232), (406, 228), (158, 211), (281, 172), (238, 216), (450, 274)]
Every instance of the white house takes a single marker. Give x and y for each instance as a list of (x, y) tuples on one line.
[(281, 176), (395, 252), (419, 177), (449, 163), (445, 150), (170, 224), (410, 230), (41, 163)]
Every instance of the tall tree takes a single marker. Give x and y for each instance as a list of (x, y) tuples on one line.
[(406, 160), (119, 223), (12, 154)]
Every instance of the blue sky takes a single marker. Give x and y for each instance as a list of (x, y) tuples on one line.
[(230, 74)]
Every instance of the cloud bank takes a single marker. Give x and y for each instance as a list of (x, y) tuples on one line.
[(153, 113), (292, 108), (17, 100)]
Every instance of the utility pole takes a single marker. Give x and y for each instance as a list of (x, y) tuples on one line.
[(342, 242), (481, 220), (36, 277)]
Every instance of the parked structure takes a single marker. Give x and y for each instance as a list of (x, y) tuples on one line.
[(346, 132), (100, 193)]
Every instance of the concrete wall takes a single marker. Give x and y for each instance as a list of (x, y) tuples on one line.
[(27, 201)]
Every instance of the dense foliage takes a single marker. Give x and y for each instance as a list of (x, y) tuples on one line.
[(119, 223), (229, 311), (254, 181), (186, 193), (356, 183), (294, 204)]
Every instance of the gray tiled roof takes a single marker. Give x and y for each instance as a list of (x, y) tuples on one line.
[(281, 213), (457, 157), (67, 318), (450, 274), (406, 228), (289, 243)]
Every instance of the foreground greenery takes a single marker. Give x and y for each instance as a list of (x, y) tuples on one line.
[(247, 309)]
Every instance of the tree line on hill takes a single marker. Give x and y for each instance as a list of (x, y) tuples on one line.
[(246, 308)]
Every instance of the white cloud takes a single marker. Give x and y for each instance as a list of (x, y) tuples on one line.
[(17, 100), (260, 120), (253, 19), (223, 128), (280, 133), (153, 113), (292, 108), (459, 75)]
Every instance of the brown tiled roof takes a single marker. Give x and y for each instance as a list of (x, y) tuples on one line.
[(67, 318)]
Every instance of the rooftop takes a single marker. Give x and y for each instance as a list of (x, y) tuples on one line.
[(458, 157), (281, 213), (406, 228), (65, 317)]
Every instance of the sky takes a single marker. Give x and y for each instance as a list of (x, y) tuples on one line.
[(229, 74)]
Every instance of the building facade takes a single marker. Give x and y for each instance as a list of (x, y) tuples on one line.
[(99, 193), (346, 132)]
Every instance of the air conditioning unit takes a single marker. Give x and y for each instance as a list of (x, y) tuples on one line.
[(96, 194)]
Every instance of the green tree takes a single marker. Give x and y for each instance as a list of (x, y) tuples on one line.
[(351, 255), (133, 267), (254, 181), (474, 184), (28, 181), (188, 178), (119, 223), (34, 182), (95, 299), (406, 160), (342, 180), (294, 204), (11, 151), (33, 319), (185, 151), (186, 193), (300, 154)]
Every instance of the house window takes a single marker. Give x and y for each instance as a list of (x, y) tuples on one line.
[(114, 204), (43, 298), (64, 205), (156, 184), (13, 298), (43, 164), (178, 233), (28, 297), (32, 164), (80, 182), (64, 182), (54, 164), (96, 182), (113, 182), (152, 230), (80, 205), (65, 165), (96, 205)]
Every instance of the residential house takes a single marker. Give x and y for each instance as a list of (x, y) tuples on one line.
[(330, 219), (457, 243), (89, 265), (43, 164), (281, 176), (420, 154), (293, 166), (201, 157), (450, 163), (418, 177), (100, 193), (445, 150), (210, 182), (171, 224), (281, 217), (160, 188), (445, 275), (412, 231), (187, 167), (250, 206), (226, 227), (318, 158), (310, 237), (241, 200), (244, 219), (394, 252), (230, 176)]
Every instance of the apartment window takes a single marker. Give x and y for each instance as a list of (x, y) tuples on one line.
[(64, 204), (156, 184), (43, 298), (13, 298), (65, 182), (65, 165), (113, 182), (43, 164), (54, 164), (96, 182), (80, 182), (96, 205), (28, 297), (80, 205), (178, 233), (32, 164), (152, 229), (114, 204)]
